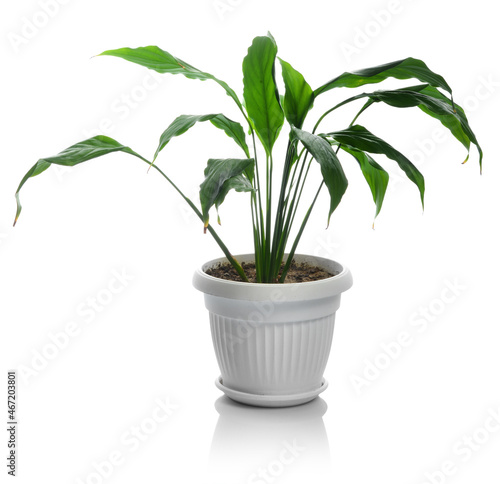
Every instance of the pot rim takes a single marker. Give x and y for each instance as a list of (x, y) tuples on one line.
[(297, 291)]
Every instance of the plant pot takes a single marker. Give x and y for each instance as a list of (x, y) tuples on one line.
[(272, 341)]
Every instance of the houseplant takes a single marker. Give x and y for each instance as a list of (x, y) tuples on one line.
[(272, 339)]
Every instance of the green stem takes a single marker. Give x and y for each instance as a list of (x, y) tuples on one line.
[(308, 213), (292, 179), (260, 212), (366, 106), (278, 225), (221, 244), (256, 240), (299, 235), (289, 211), (354, 98), (269, 189), (295, 207)]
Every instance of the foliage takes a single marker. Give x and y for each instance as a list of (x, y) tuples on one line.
[(264, 113)]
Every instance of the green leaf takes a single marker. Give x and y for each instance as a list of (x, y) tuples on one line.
[(184, 122), (331, 169), (217, 172), (163, 62), (437, 105), (299, 97), (403, 69), (75, 154), (376, 177), (238, 183), (260, 92), (361, 139)]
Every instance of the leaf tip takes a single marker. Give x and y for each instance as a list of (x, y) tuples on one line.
[(17, 216)]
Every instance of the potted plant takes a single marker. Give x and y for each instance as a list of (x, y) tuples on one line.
[(272, 311)]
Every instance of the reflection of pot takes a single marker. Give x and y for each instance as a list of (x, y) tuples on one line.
[(272, 341), (252, 445)]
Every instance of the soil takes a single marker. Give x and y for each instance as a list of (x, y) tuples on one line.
[(297, 273)]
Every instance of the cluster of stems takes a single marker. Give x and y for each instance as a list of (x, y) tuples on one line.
[(270, 240)]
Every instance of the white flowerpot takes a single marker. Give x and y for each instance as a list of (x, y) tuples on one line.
[(272, 341)]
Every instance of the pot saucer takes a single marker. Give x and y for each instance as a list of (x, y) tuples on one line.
[(270, 400)]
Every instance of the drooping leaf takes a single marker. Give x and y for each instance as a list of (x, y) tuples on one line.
[(431, 101), (361, 139), (299, 97), (260, 91), (376, 177), (184, 122), (435, 104), (163, 62), (408, 68), (238, 183), (233, 130), (331, 169), (75, 154), (217, 172)]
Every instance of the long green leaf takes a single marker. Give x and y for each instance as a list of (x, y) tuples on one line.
[(260, 91), (163, 62), (299, 97), (331, 169), (186, 121), (75, 154), (431, 101), (408, 68), (376, 177), (435, 104), (217, 172), (361, 139)]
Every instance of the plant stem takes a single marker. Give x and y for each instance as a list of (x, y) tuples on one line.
[(366, 106), (287, 224), (256, 240), (221, 244), (308, 213), (299, 235), (292, 179), (354, 98), (278, 226), (269, 189), (293, 210), (259, 212)]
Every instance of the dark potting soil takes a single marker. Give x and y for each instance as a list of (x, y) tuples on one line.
[(297, 273)]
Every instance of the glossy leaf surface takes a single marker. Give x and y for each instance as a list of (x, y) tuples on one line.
[(298, 98), (217, 173), (376, 177), (75, 154), (260, 91), (435, 104), (361, 139), (184, 122), (408, 68), (163, 62), (331, 169)]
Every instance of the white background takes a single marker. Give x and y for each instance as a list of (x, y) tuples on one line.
[(151, 341)]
